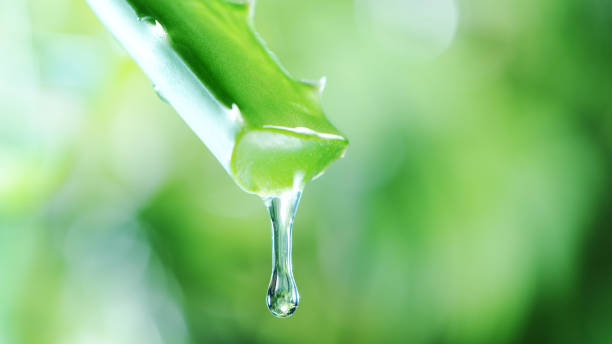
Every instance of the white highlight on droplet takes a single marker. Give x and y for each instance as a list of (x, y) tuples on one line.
[(158, 30), (235, 115)]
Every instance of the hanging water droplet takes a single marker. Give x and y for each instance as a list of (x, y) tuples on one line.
[(283, 297)]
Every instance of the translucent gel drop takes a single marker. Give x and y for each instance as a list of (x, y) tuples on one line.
[(283, 297)]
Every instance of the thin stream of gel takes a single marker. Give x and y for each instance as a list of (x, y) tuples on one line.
[(282, 297)]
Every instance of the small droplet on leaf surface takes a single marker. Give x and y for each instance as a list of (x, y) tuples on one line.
[(158, 91)]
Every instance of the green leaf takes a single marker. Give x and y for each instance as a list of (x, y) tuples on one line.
[(276, 135)]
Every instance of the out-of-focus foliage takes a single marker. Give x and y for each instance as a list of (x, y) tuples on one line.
[(472, 207)]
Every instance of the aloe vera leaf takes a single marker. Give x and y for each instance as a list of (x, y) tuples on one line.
[(266, 128)]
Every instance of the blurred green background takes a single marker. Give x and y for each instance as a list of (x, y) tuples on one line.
[(473, 205)]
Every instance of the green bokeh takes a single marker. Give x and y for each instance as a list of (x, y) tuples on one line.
[(472, 207)]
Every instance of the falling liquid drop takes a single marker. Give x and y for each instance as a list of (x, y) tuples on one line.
[(283, 297)]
